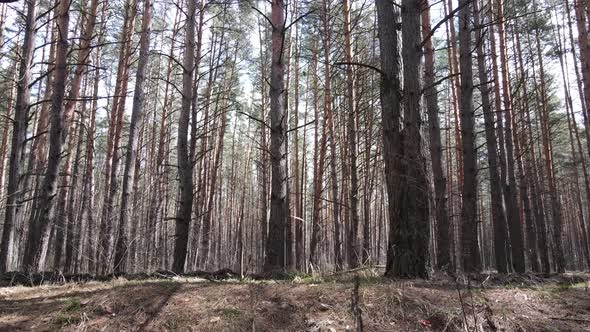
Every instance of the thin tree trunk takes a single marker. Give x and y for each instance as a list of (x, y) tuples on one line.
[(525, 179), (185, 166), (469, 239), (549, 167), (513, 214), (114, 136), (440, 180), (120, 262), (498, 213), (584, 43), (352, 238), (40, 228), (19, 132)]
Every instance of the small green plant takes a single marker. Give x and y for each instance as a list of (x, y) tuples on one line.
[(562, 287), (73, 305), (551, 329), (171, 324), (447, 312), (64, 320), (230, 313), (305, 279), (67, 315)]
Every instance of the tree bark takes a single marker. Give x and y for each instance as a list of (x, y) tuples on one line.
[(440, 180), (352, 238), (390, 96), (469, 237), (514, 222), (407, 254), (275, 246), (584, 43), (113, 140), (549, 167), (19, 132), (525, 179), (412, 234), (120, 262), (185, 166), (40, 228)]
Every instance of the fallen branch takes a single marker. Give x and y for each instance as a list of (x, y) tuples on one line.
[(356, 270)]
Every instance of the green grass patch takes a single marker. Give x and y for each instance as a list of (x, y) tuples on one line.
[(562, 287), (63, 320), (73, 305), (230, 313)]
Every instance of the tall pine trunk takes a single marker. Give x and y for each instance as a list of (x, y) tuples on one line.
[(185, 168), (40, 227), (19, 132), (469, 236), (513, 213), (440, 181), (275, 245), (119, 264)]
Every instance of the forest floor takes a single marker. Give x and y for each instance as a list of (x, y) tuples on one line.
[(485, 303)]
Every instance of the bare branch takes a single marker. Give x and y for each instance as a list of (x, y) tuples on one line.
[(441, 22), (255, 119), (360, 65), (263, 15), (299, 19)]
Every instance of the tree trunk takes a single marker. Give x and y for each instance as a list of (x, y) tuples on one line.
[(352, 238), (525, 179), (500, 131), (114, 137), (469, 240), (514, 222), (185, 166), (584, 43), (120, 262), (275, 246), (440, 180), (549, 167), (390, 95), (68, 113), (40, 228), (407, 254), (19, 132)]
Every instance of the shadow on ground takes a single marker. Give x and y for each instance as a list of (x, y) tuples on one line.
[(286, 306)]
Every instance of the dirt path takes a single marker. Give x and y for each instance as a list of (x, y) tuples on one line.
[(307, 305)]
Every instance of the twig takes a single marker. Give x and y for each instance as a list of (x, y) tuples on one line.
[(298, 19), (439, 82), (263, 15), (472, 305), (356, 309), (360, 65), (304, 125), (446, 18), (356, 270), (462, 306), (255, 119)]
